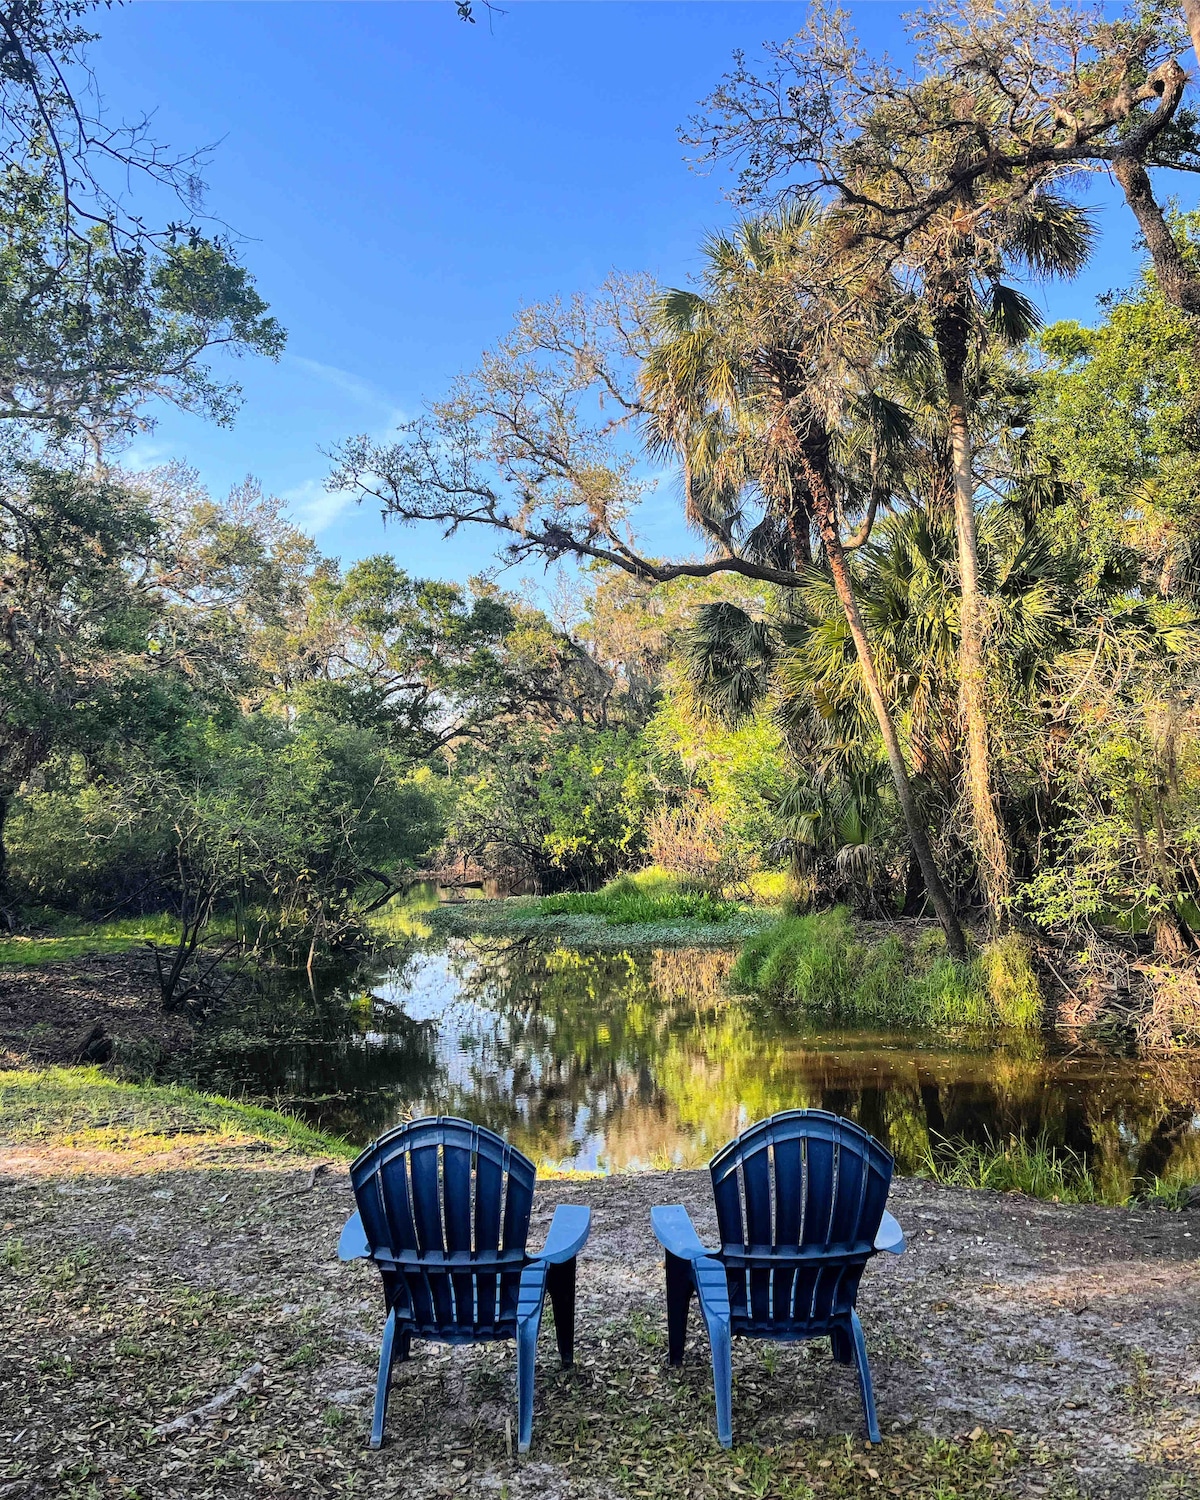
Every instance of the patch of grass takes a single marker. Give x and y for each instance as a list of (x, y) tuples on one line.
[(1037, 1168), (13, 1255), (1167, 1192), (1010, 982), (1014, 1166), (74, 939), (815, 963), (83, 1108), (648, 896), (522, 916)]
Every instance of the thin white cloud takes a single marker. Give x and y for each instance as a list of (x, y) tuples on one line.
[(142, 454), (361, 391), (315, 508)]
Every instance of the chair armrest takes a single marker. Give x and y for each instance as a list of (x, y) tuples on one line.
[(675, 1232), (569, 1229), (890, 1236), (353, 1243)]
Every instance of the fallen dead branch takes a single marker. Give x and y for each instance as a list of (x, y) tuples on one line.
[(249, 1380)]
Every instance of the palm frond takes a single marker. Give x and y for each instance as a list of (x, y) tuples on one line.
[(728, 657), (1012, 315), (1053, 236)]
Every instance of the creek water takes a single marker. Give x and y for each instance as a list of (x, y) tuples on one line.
[(593, 1059)]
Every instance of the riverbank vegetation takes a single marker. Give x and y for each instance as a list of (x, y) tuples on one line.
[(1041, 1170), (816, 963), (86, 1110)]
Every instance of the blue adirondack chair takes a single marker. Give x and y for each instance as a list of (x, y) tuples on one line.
[(443, 1211), (800, 1210)]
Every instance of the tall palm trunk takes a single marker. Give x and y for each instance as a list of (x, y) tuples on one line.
[(952, 332), (827, 524), (1191, 14)]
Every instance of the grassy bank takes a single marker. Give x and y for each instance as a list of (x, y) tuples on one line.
[(816, 963), (84, 1109), (1054, 1173), (62, 938), (646, 909)]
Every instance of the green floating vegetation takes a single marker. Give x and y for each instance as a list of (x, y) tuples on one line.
[(816, 963), (1041, 1170), (647, 896), (649, 909), (84, 1108)]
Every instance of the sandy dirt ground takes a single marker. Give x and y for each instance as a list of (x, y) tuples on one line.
[(1019, 1348)]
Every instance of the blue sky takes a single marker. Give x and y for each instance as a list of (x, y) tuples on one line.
[(403, 182)]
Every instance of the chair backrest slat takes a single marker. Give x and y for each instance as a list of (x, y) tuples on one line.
[(789, 1185), (489, 1199), (819, 1178), (756, 1180), (443, 1187), (456, 1196), (424, 1162)]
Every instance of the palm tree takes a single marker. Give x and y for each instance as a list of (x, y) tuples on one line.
[(905, 582), (963, 259), (762, 384)]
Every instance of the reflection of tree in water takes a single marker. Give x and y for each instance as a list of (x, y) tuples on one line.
[(644, 1058), (331, 1052), (565, 1043), (651, 1053)]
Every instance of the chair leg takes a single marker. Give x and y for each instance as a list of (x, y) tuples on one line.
[(386, 1349), (560, 1283), (679, 1297), (527, 1333), (864, 1379), (842, 1346), (722, 1363)]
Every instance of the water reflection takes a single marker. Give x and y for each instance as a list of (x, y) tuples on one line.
[(620, 1060)]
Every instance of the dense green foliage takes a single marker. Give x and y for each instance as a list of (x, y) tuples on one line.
[(940, 654)]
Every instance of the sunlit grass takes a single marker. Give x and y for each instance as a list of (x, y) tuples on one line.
[(632, 899), (815, 963), (73, 939), (85, 1109)]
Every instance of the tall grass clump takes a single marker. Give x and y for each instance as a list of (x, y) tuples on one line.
[(1010, 981), (1017, 1165), (647, 896), (816, 963)]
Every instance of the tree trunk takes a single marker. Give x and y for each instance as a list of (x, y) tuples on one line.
[(991, 848), (5, 914), (1191, 14), (827, 525), (1176, 280)]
